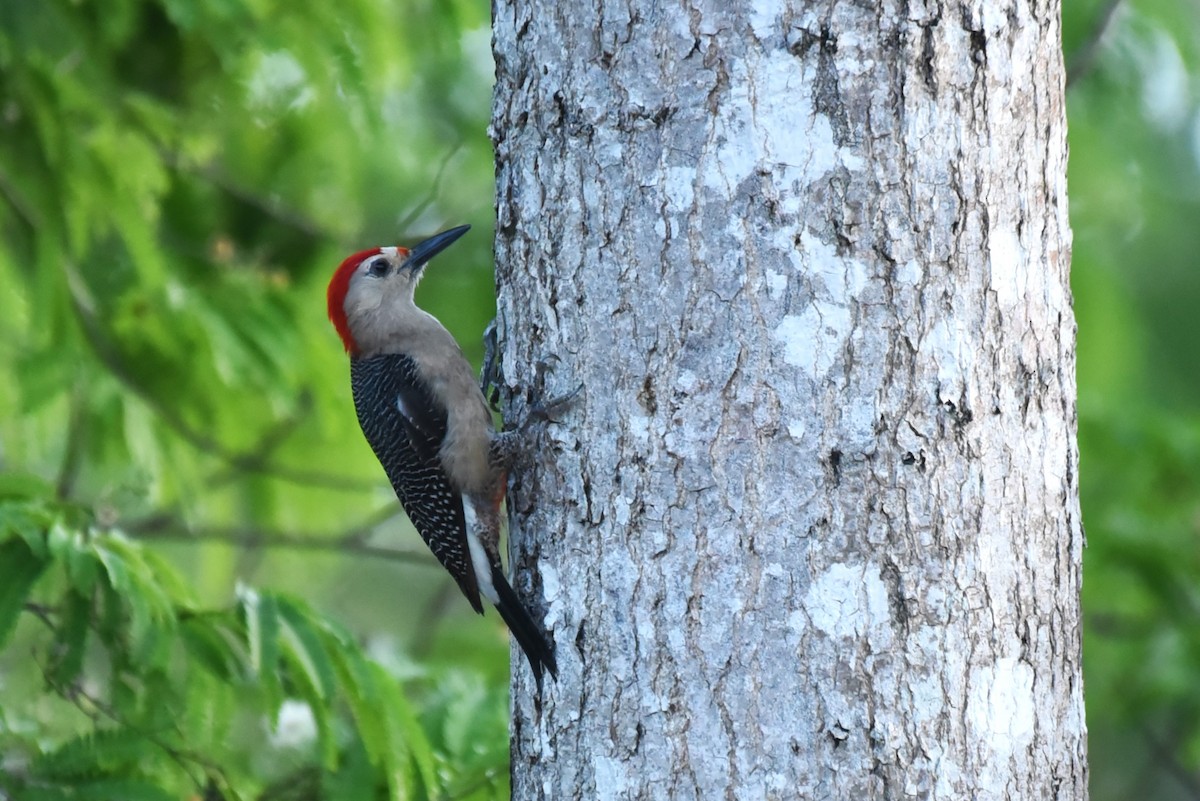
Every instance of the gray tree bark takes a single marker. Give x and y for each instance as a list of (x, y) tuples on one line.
[(813, 530)]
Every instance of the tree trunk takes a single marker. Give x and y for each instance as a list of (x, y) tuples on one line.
[(812, 531)]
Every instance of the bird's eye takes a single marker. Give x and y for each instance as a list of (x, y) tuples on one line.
[(378, 268)]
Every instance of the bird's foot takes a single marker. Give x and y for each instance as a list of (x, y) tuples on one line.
[(490, 374), (543, 411), (506, 445)]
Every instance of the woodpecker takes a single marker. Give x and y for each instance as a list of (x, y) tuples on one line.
[(430, 426)]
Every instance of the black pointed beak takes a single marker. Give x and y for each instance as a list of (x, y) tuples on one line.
[(420, 254)]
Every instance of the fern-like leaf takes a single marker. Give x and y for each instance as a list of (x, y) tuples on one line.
[(104, 753), (20, 569)]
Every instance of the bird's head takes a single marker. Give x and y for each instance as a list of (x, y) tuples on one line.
[(371, 286)]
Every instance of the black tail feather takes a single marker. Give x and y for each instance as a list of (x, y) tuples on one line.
[(539, 650)]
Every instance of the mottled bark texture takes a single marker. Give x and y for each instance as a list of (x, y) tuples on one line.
[(812, 531)]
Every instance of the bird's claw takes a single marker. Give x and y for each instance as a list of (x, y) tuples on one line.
[(490, 373), (543, 411)]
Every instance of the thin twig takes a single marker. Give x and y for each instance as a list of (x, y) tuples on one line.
[(431, 617), (271, 207), (1084, 58), (254, 538), (1169, 760), (20, 204), (41, 612), (166, 519), (431, 194), (73, 451), (97, 710), (183, 758)]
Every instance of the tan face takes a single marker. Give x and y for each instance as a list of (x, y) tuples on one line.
[(380, 282), (379, 301)]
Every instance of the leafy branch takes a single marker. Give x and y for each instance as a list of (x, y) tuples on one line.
[(178, 675), (253, 461)]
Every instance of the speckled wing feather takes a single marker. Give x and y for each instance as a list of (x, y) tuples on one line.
[(405, 427)]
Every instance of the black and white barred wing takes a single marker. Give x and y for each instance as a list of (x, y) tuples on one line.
[(405, 427)]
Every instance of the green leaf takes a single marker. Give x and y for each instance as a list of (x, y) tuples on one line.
[(154, 579), (110, 618), (20, 569), (363, 697), (262, 629), (24, 485), (59, 540), (43, 380), (301, 639), (261, 614), (355, 779), (208, 711), (83, 568), (216, 648), (409, 743), (301, 647), (102, 790), (29, 521), (99, 753), (70, 639), (177, 591), (471, 718), (151, 611)]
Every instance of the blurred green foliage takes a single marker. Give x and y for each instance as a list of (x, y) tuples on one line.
[(1134, 115), (178, 178)]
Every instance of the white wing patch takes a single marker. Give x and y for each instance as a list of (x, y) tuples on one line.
[(479, 558)]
